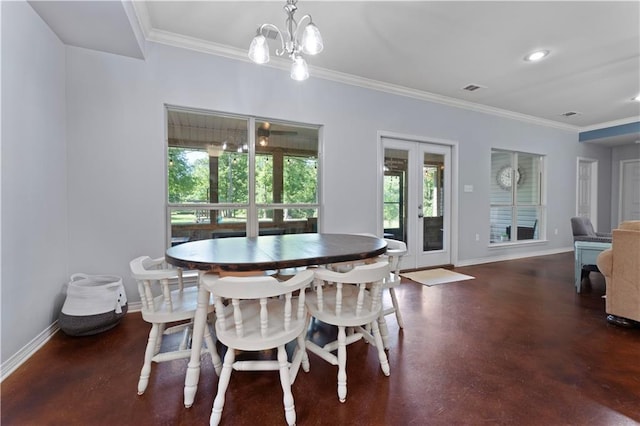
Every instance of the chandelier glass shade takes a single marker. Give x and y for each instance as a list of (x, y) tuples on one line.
[(293, 44)]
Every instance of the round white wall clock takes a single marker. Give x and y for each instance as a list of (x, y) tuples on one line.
[(506, 175)]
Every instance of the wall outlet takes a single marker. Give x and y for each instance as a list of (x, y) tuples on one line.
[(477, 237), (555, 231)]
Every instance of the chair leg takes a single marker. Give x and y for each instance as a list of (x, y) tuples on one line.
[(342, 364), (384, 362), (396, 307), (300, 356), (305, 357), (223, 383), (285, 382), (149, 352), (161, 329), (186, 338), (384, 331), (211, 346)]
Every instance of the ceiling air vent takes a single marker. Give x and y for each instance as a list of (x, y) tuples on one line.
[(569, 114), (473, 87)]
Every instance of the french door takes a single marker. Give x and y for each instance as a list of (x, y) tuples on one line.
[(416, 200)]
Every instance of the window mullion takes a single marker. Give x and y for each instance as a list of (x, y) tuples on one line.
[(514, 197), (252, 211)]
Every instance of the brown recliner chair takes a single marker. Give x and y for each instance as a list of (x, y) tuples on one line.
[(620, 266)]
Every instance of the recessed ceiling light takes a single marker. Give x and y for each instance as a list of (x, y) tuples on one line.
[(636, 98), (536, 56)]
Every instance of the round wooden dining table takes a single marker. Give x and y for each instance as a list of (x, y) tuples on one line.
[(273, 252), (243, 255)]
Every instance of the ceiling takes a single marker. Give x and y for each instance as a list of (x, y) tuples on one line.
[(424, 49)]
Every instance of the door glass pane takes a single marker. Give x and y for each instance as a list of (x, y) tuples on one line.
[(395, 194), (392, 204), (433, 201)]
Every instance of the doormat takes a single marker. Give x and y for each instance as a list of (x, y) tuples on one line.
[(430, 277)]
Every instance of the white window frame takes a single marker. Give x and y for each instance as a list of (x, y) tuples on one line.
[(540, 206), (252, 225)]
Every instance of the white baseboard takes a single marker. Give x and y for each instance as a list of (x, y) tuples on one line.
[(134, 307), (511, 256), (17, 359), (32, 347)]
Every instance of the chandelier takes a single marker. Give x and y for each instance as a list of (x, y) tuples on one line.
[(293, 44)]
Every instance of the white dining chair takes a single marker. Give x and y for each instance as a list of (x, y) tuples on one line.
[(166, 300), (395, 250), (258, 313), (353, 300)]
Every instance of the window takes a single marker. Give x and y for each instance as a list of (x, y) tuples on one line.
[(517, 210), (235, 176)]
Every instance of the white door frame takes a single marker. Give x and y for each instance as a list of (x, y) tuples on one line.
[(453, 210), (593, 186)]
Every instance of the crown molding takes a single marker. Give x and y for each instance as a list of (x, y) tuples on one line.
[(203, 46), (136, 26), (199, 45), (142, 19), (432, 97)]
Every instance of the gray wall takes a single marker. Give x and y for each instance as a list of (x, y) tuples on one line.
[(35, 253), (113, 155)]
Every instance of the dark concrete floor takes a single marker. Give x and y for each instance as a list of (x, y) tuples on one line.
[(515, 346)]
